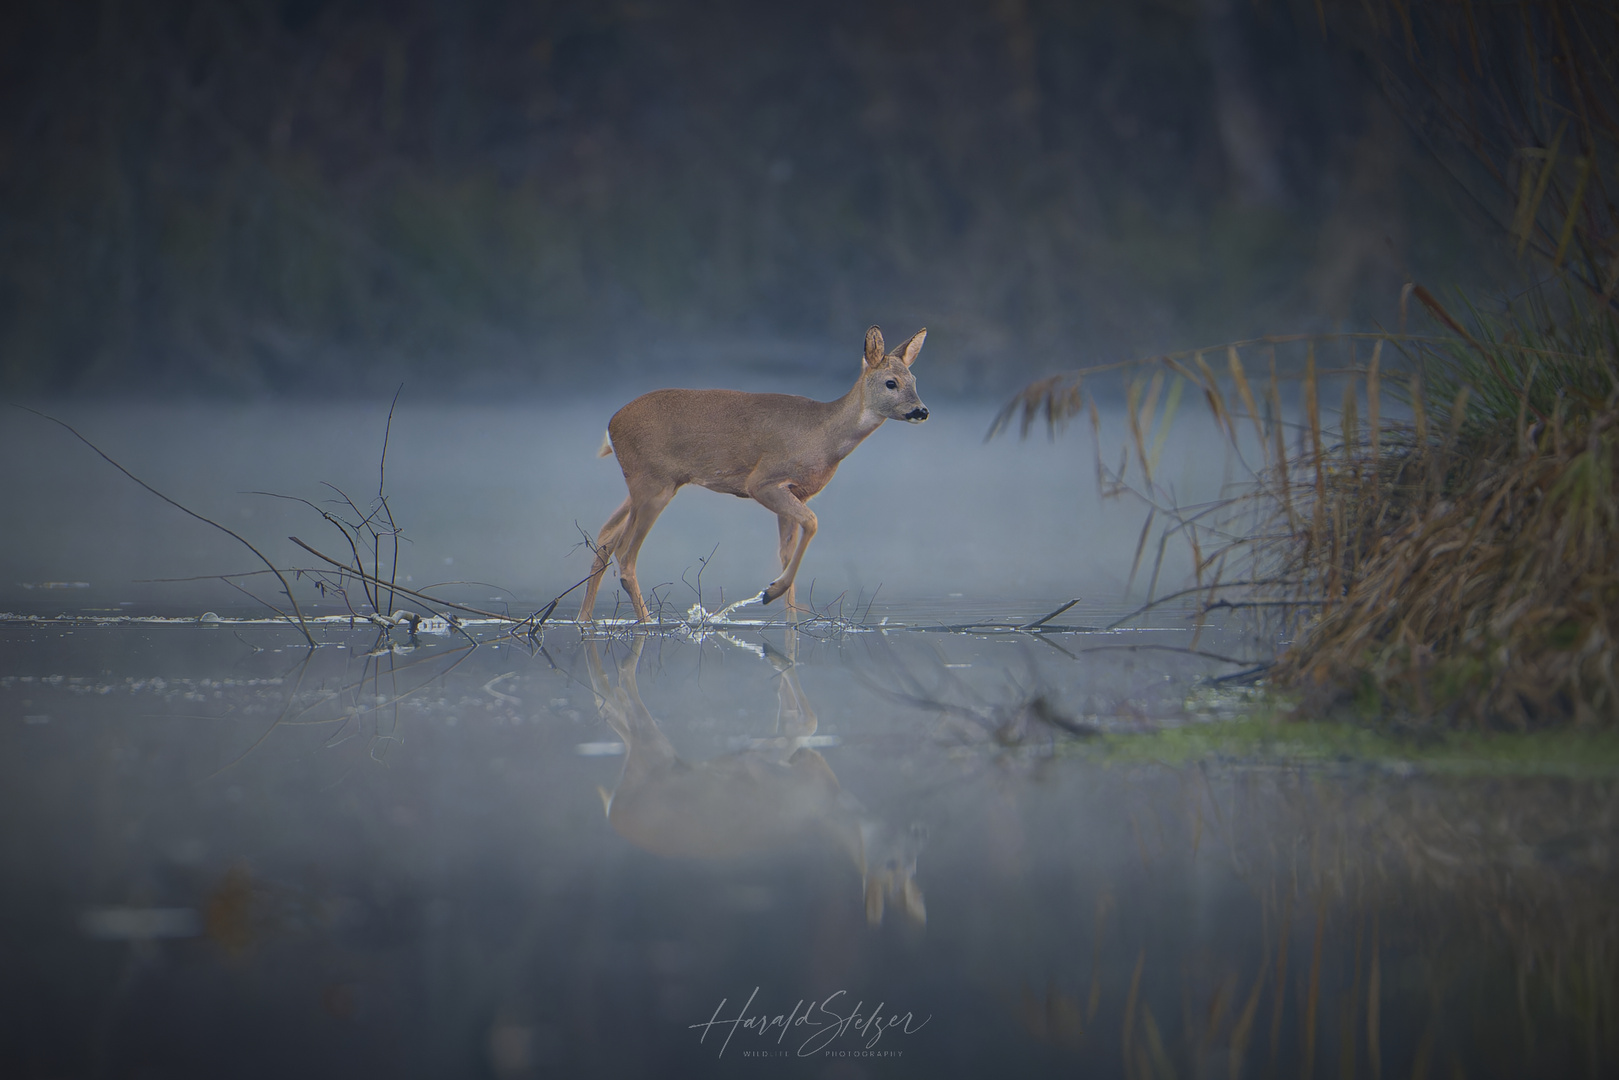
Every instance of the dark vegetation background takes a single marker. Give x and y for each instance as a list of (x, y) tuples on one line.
[(304, 197)]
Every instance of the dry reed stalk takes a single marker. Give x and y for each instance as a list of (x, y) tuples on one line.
[(1374, 406), (1350, 425), (1216, 400), (1171, 405), (1278, 453), (1234, 362), (1419, 414), (1134, 417)]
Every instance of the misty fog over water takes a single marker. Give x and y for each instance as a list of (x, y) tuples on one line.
[(492, 493)]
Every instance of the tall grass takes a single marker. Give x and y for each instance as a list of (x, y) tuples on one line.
[(1469, 566), (1443, 546)]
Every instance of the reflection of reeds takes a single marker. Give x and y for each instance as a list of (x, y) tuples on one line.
[(1245, 1025), (1454, 926), (1438, 927)]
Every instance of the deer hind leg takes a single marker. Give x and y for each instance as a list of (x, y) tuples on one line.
[(788, 508), (649, 503), (606, 540), (648, 753), (788, 528)]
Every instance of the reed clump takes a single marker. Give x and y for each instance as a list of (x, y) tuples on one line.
[(1463, 560), (1443, 551)]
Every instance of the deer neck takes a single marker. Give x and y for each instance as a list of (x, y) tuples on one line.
[(852, 420)]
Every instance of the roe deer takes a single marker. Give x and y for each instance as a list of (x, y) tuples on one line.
[(778, 449), (775, 795)]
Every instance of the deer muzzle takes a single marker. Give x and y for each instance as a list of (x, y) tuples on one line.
[(918, 414)]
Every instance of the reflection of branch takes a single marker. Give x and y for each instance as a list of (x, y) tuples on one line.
[(303, 669), (298, 622), (332, 695), (1182, 649)]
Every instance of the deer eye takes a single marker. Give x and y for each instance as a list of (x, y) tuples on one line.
[(892, 385)]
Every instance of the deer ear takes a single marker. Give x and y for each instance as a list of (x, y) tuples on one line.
[(874, 347), (913, 345)]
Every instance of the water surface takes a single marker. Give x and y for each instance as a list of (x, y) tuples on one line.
[(228, 855)]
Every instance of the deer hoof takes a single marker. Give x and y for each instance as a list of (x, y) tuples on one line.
[(772, 591)]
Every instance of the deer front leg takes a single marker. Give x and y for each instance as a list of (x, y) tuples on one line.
[(788, 508)]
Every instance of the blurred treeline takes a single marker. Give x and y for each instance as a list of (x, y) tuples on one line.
[(300, 196)]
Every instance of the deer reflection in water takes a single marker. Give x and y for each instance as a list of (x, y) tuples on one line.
[(777, 793)]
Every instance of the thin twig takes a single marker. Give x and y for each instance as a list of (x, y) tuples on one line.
[(1047, 618), (408, 592), (342, 527), (299, 622), (1149, 605), (382, 474)]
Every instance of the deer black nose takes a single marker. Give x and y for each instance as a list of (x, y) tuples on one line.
[(920, 413)]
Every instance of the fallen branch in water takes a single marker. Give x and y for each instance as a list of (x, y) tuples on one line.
[(538, 618), (1047, 618)]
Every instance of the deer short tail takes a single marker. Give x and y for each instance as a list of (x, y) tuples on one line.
[(607, 446)]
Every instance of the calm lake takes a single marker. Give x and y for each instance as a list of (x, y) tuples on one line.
[(916, 834)]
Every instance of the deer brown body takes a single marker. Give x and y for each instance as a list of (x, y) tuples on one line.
[(777, 449)]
